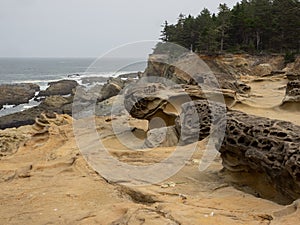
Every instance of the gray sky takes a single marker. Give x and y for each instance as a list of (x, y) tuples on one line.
[(86, 28)]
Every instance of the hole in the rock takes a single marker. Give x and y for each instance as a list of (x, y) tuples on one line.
[(273, 133), (235, 133), (254, 144), (266, 147), (294, 168), (241, 140), (231, 141), (272, 158), (205, 130), (160, 119), (266, 131), (298, 176), (288, 139), (246, 129), (281, 134)]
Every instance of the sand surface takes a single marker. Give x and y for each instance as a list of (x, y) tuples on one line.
[(47, 181)]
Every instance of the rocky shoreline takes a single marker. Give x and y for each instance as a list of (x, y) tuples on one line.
[(169, 106)]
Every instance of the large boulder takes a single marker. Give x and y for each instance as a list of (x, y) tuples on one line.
[(111, 89), (262, 69), (15, 94), (62, 87), (251, 144)]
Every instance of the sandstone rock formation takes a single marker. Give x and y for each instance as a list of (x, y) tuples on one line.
[(251, 143), (293, 67), (154, 100), (11, 140), (48, 181), (15, 94), (292, 95), (191, 70), (62, 87)]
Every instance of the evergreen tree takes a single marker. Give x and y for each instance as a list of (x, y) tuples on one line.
[(223, 22), (251, 26)]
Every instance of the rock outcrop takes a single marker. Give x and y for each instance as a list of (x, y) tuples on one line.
[(15, 94), (62, 87), (292, 95), (191, 70), (251, 143), (153, 100)]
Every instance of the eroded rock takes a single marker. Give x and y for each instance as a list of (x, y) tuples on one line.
[(192, 70), (154, 100), (251, 143), (292, 95)]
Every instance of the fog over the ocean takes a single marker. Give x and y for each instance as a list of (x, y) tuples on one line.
[(86, 28)]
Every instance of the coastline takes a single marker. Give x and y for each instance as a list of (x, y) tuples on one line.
[(46, 170)]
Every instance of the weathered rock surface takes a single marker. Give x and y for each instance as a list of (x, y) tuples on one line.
[(62, 87), (111, 88), (262, 69), (293, 67), (244, 64), (191, 70), (154, 100), (251, 144), (48, 181), (15, 94), (292, 95), (11, 140)]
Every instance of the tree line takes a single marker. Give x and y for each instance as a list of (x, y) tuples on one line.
[(252, 26)]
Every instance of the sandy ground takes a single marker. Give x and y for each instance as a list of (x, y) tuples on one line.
[(47, 181)]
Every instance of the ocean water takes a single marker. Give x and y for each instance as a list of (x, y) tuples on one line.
[(44, 70), (41, 71)]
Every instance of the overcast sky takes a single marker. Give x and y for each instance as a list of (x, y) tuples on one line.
[(86, 28)]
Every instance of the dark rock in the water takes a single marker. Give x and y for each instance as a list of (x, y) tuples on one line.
[(57, 104), (62, 87), (15, 94), (131, 75), (93, 80), (251, 144), (73, 75)]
